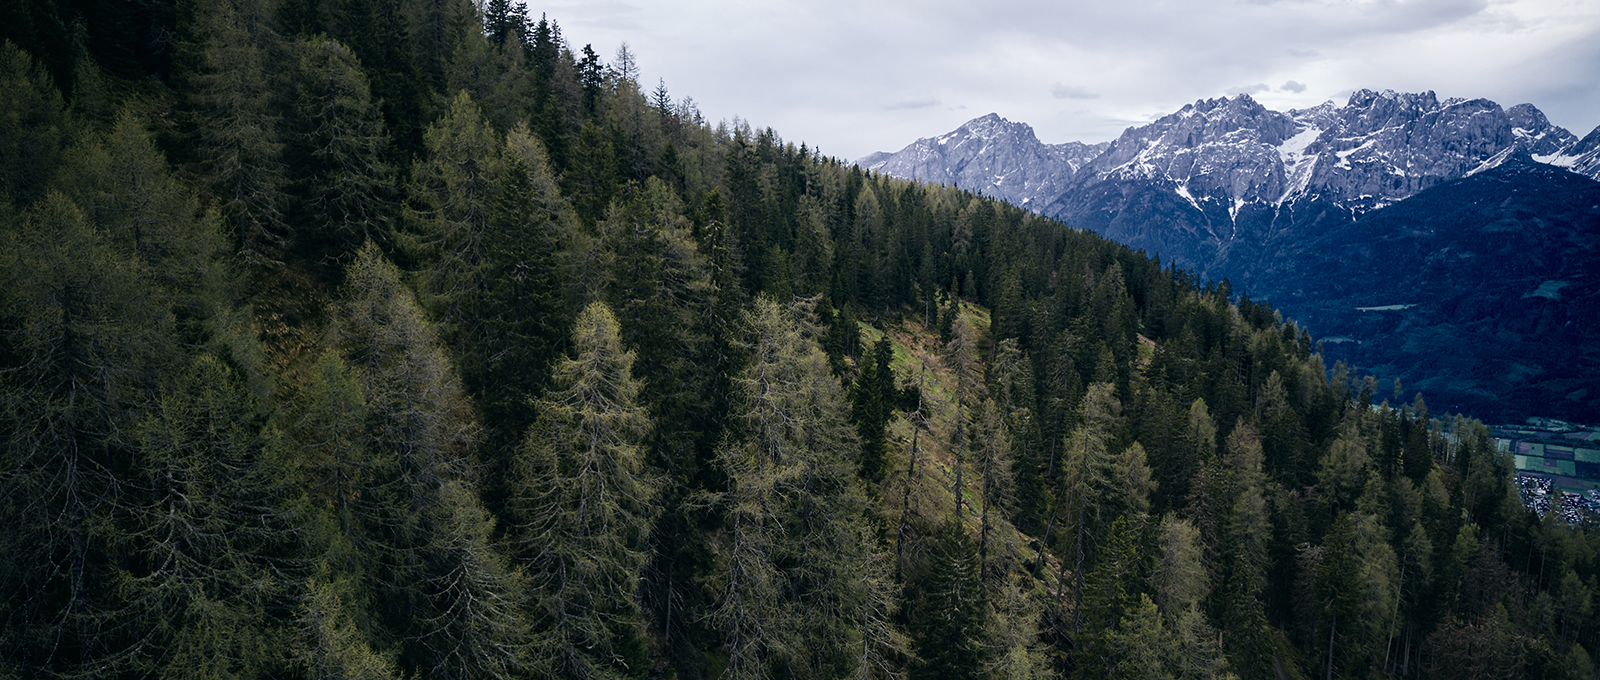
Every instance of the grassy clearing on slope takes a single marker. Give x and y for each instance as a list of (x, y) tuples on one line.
[(919, 353)]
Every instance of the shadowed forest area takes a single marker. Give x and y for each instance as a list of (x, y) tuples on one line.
[(381, 339)]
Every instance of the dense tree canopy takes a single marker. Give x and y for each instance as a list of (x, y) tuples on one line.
[(402, 338)]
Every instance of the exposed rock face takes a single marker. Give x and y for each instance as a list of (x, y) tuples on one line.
[(1211, 184), (991, 155), (1454, 244), (1216, 147), (1582, 158)]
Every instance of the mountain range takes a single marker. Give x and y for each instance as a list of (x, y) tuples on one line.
[(1449, 244)]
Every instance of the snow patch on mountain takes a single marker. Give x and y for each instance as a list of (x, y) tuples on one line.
[(1376, 149)]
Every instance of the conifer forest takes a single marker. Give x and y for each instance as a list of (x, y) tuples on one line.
[(412, 339)]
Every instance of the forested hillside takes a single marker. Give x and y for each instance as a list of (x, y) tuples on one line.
[(372, 339)]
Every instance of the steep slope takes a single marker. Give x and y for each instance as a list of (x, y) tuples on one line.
[(1582, 158), (1207, 186), (1327, 210), (1478, 292)]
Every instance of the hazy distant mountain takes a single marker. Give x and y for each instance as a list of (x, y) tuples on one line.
[(1479, 222)]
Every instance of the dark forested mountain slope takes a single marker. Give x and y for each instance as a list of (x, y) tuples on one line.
[(403, 339), (1237, 191), (1478, 292)]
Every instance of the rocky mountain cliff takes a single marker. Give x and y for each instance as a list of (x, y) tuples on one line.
[(993, 156), (1226, 175), (1449, 243)]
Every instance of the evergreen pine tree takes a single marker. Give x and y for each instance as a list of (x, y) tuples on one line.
[(452, 193), (342, 182), (950, 613), (873, 396), (239, 137), (526, 318)]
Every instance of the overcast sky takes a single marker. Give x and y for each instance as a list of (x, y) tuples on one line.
[(856, 76)]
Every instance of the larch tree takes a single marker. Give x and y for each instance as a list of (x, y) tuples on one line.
[(962, 355), (332, 646), (83, 342), (1179, 584), (1131, 481), (347, 515), (1086, 478), (327, 422), (208, 524), (475, 626), (436, 533), (997, 491), (885, 648), (1016, 652), (585, 504), (1343, 469), (420, 416), (789, 591), (147, 213)]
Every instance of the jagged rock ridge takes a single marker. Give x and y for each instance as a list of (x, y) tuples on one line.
[(991, 155), (1231, 170), (1449, 243)]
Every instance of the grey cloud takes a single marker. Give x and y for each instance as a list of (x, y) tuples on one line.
[(1257, 88), (1060, 91), (1293, 86)]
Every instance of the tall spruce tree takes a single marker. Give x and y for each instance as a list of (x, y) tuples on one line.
[(452, 196), (240, 140), (873, 396), (526, 315), (950, 614), (343, 186)]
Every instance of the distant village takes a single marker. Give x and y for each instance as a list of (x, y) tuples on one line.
[(1554, 456)]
